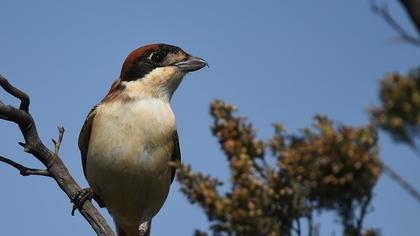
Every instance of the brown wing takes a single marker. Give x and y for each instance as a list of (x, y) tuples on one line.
[(176, 154), (84, 137)]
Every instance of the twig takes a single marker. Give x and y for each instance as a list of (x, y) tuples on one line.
[(415, 149), (57, 144), (25, 171), (298, 231), (363, 211), (309, 217), (384, 13), (51, 160), (401, 181)]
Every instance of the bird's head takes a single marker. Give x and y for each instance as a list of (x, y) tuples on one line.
[(155, 70)]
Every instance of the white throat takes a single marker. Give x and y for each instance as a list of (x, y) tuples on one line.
[(160, 83)]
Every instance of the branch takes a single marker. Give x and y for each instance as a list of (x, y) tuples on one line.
[(414, 147), (363, 210), (17, 93), (310, 224), (402, 182), (384, 13), (25, 171), (413, 9), (298, 230), (55, 166)]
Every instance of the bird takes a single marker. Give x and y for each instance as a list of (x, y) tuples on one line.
[(129, 139)]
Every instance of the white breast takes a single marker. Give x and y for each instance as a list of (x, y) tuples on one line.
[(128, 157)]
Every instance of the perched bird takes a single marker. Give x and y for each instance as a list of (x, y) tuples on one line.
[(129, 139)]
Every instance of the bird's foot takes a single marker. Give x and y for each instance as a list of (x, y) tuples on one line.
[(143, 228), (80, 198)]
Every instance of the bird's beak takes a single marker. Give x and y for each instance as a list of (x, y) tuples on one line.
[(191, 64)]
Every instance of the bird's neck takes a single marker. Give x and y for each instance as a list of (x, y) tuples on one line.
[(161, 83)]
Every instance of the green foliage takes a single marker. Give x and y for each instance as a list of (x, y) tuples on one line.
[(326, 167), (399, 112)]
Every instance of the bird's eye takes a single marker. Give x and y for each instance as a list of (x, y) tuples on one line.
[(156, 57)]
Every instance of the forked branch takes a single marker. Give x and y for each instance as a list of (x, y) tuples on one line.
[(55, 167), (412, 8)]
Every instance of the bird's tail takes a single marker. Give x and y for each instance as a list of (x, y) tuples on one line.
[(132, 232)]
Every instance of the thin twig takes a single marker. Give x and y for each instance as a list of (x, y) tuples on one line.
[(57, 144), (363, 211), (384, 13), (25, 171), (299, 230), (309, 217), (415, 149), (401, 181)]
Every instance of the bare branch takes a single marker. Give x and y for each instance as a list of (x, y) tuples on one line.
[(51, 160), (401, 181), (23, 97), (384, 13), (57, 144), (25, 171), (413, 9), (298, 230), (363, 210), (309, 218), (414, 147)]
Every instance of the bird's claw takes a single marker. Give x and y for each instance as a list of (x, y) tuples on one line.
[(80, 198), (143, 228)]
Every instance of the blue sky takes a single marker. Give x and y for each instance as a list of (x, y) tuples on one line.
[(278, 61)]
